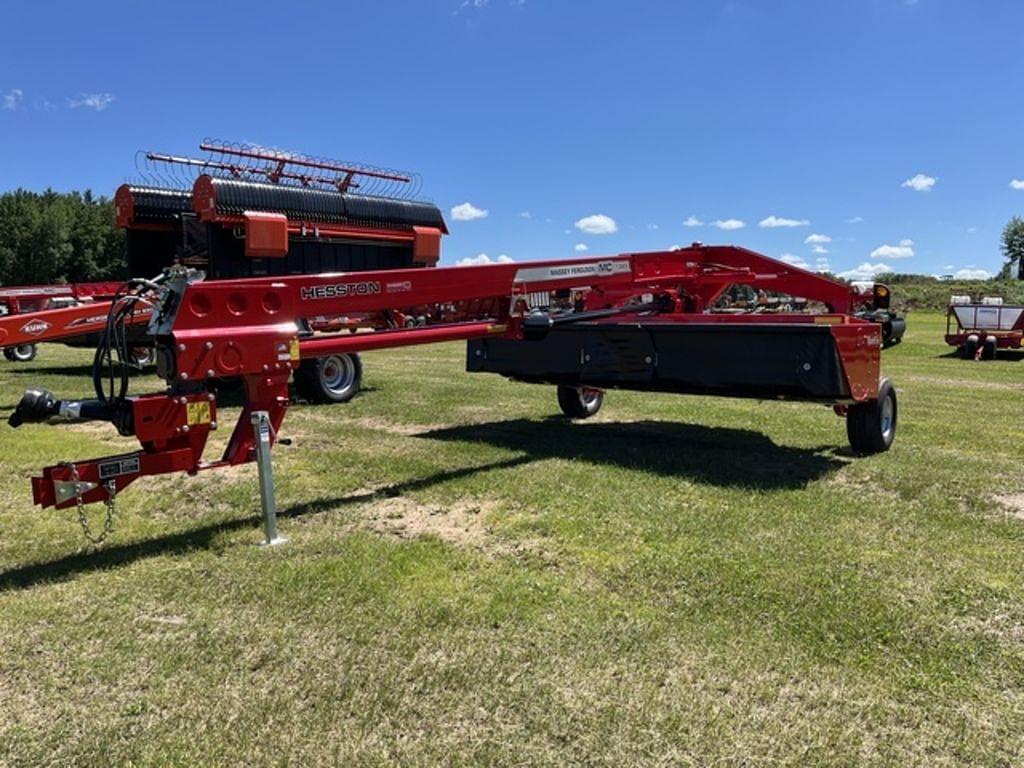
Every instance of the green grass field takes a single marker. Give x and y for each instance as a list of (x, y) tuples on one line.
[(471, 581)]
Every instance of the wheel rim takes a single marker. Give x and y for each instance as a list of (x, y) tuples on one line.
[(23, 352), (589, 396), (338, 373), (888, 417)]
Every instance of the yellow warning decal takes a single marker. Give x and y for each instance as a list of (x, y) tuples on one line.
[(293, 350), (828, 320), (198, 413)]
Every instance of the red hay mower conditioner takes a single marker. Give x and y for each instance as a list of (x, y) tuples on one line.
[(264, 258), (634, 321)]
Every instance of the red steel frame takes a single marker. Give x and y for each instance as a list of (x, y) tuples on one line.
[(249, 328)]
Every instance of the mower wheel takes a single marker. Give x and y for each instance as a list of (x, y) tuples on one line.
[(579, 402), (330, 379), (871, 426), (22, 353)]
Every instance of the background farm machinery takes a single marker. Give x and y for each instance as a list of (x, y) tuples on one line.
[(980, 329)]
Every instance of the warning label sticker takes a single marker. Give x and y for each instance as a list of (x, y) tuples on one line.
[(197, 413)]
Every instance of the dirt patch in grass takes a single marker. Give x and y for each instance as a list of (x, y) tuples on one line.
[(462, 523), (1013, 503)]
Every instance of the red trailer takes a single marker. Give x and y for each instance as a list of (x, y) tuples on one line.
[(980, 329)]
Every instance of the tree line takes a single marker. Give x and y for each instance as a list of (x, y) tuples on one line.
[(52, 237)]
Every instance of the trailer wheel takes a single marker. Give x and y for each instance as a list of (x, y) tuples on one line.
[(988, 348), (579, 402), (971, 347), (871, 426), (22, 353), (330, 379)]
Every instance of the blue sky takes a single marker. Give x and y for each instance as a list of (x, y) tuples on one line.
[(889, 127)]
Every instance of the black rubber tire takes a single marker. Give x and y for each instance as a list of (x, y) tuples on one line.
[(970, 348), (23, 353), (988, 349), (871, 426), (579, 402), (330, 379)]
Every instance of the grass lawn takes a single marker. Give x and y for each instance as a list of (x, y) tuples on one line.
[(471, 581)]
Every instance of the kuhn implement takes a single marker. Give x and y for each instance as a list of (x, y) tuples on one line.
[(642, 321)]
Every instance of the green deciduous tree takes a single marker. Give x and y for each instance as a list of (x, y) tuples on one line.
[(1013, 248), (51, 237)]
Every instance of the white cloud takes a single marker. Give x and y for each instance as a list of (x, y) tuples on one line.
[(728, 224), (597, 224), (855, 220), (902, 251), (920, 183), (1017, 183), (652, 226), (12, 98), (97, 101), (973, 274), (468, 212), (524, 215), (866, 271), (482, 259), (693, 221), (820, 249), (778, 221), (580, 247), (817, 239), (796, 261)]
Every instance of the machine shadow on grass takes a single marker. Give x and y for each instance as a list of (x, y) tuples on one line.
[(203, 537), (713, 455)]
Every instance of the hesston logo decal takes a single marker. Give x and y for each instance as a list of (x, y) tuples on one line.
[(340, 290), (96, 319), (35, 327)]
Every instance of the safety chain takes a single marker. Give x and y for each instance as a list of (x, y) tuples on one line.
[(108, 522)]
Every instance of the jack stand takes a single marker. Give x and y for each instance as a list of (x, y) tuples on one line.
[(261, 429)]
